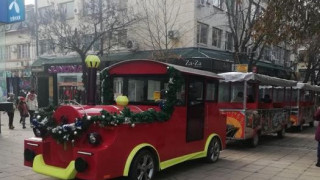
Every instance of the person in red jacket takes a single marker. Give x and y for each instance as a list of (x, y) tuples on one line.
[(317, 134), (23, 109)]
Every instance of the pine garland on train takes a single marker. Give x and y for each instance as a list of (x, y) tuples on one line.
[(45, 125)]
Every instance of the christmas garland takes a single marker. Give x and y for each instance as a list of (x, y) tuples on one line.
[(45, 125)]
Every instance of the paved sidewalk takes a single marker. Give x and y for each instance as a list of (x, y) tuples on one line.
[(290, 158)]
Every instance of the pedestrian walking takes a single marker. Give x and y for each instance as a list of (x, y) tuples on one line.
[(23, 109), (11, 112), (317, 135), (32, 103)]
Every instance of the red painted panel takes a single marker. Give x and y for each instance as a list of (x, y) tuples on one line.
[(139, 67)]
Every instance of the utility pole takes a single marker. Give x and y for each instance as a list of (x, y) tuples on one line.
[(101, 26), (36, 28)]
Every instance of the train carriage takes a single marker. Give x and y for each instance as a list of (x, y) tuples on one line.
[(303, 105), (254, 105), (172, 116)]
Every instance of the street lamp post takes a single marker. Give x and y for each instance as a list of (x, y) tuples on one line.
[(92, 63)]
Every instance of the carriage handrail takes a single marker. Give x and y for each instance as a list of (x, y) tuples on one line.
[(75, 102)]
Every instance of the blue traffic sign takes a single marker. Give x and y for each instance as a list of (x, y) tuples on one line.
[(12, 11)]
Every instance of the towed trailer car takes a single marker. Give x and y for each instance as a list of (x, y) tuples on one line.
[(254, 105), (303, 105)]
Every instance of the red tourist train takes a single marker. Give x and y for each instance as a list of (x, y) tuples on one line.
[(172, 117), (169, 114), (257, 104)]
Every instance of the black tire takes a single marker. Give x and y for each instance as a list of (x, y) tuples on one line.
[(213, 151), (281, 133), (311, 124), (300, 128), (254, 141), (143, 166)]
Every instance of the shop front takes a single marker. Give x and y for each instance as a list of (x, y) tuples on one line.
[(58, 81)]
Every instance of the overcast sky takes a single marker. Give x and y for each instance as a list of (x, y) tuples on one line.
[(29, 1)]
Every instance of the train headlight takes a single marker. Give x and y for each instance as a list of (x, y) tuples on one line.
[(29, 155), (94, 138), (81, 165)]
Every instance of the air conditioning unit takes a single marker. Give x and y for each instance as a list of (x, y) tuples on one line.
[(173, 34), (202, 3), (132, 45)]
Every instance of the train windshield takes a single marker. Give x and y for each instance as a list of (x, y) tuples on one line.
[(143, 89)]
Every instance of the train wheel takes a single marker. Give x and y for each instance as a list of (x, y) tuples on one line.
[(213, 151), (281, 133), (311, 124), (254, 141), (300, 128), (143, 166)]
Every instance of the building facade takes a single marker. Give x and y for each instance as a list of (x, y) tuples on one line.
[(193, 33), (18, 53)]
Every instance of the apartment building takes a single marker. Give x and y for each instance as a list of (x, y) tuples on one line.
[(190, 33), (18, 53)]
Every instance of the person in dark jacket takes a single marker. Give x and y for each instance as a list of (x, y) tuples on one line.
[(11, 113), (317, 134)]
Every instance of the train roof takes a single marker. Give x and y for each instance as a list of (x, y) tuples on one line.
[(253, 77), (177, 67), (307, 86)]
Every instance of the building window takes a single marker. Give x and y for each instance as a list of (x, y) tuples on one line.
[(202, 33), (8, 52), (23, 51), (2, 53), (267, 53), (217, 3), (88, 40), (216, 37), (229, 41), (67, 9), (46, 47), (119, 38), (45, 14), (90, 7)]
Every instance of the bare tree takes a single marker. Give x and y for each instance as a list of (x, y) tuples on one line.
[(158, 25), (242, 16), (98, 23)]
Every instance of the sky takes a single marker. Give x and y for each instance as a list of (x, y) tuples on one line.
[(28, 1)]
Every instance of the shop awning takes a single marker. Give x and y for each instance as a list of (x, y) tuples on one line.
[(56, 60)]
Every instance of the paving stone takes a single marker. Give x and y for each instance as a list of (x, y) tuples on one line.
[(292, 157)]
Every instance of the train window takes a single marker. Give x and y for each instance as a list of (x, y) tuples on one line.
[(154, 88), (224, 92), (288, 95), (265, 94), (305, 96), (117, 87), (135, 90), (250, 93), (211, 92), (144, 90), (196, 91), (237, 92), (278, 94), (294, 97)]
